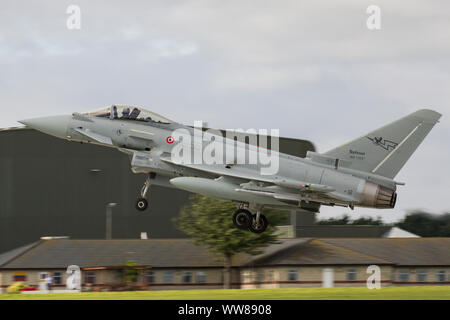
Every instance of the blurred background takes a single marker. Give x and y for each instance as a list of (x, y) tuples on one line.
[(312, 69)]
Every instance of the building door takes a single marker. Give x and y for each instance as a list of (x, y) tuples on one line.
[(327, 278)]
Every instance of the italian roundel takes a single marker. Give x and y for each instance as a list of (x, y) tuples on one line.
[(170, 139)]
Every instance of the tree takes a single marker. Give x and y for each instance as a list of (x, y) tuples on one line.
[(426, 225), (209, 223), (335, 221), (128, 273), (368, 221), (345, 220), (421, 223), (131, 274)]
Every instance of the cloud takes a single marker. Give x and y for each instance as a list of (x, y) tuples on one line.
[(167, 48), (253, 78)]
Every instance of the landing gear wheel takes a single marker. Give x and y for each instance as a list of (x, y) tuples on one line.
[(141, 204), (258, 227), (242, 218)]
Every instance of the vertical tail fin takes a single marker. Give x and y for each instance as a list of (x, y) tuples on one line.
[(384, 151)]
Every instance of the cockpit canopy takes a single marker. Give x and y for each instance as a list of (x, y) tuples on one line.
[(128, 113)]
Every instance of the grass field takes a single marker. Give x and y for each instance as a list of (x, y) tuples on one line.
[(388, 293)]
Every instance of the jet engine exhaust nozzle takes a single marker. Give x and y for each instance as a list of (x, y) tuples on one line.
[(376, 196)]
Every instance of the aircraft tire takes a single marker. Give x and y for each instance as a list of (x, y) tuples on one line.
[(242, 218), (141, 204), (263, 223)]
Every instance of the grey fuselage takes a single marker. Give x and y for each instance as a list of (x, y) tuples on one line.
[(149, 150)]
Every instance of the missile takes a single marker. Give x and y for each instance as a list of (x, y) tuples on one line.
[(303, 186), (220, 188)]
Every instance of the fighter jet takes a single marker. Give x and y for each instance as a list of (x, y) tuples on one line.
[(359, 173)]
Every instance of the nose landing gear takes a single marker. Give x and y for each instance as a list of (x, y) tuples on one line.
[(142, 203)]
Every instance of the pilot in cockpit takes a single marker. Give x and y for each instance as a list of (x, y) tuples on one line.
[(125, 113), (128, 113), (115, 114)]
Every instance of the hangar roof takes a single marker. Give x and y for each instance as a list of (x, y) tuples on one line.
[(183, 253), (95, 253), (317, 252), (15, 128), (12, 254), (402, 251)]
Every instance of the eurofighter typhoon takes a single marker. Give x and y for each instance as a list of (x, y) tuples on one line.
[(359, 173)]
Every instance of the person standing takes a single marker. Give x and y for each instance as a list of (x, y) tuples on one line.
[(49, 282)]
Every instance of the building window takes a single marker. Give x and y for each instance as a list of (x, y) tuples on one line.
[(150, 277), (440, 275), (246, 275), (57, 278), (351, 275), (270, 275), (168, 277), (403, 275), (89, 277), (201, 277), (187, 277), (43, 275), (422, 276), (292, 275), (259, 275)]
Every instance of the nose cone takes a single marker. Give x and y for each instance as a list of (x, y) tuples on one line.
[(56, 126)]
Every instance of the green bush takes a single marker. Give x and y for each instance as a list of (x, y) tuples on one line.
[(16, 287)]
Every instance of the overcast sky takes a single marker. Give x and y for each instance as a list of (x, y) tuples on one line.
[(309, 68)]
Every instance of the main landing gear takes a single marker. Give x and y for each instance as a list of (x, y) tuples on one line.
[(243, 219), (142, 203)]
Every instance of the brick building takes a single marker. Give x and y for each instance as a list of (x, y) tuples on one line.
[(163, 264)]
